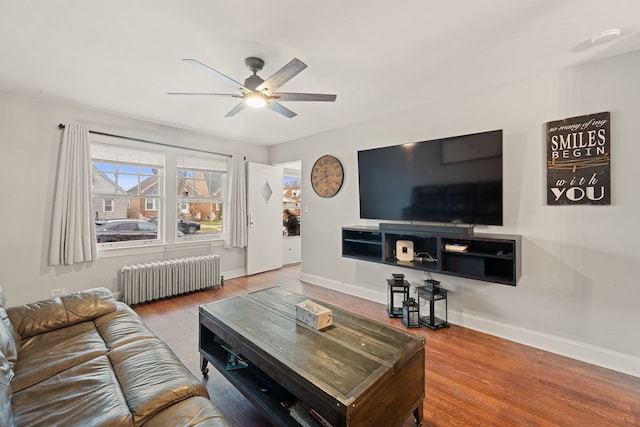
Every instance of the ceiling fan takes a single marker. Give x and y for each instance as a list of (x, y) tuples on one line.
[(256, 92)]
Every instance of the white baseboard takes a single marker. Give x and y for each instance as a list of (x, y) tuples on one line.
[(232, 274), (346, 288), (588, 353)]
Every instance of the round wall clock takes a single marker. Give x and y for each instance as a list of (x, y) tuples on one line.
[(327, 176)]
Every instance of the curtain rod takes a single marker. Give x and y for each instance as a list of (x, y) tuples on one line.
[(61, 126)]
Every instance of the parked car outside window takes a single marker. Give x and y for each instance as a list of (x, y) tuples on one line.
[(119, 230), (188, 227)]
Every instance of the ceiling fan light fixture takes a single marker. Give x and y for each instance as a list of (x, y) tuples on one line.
[(259, 93), (606, 36), (255, 101)]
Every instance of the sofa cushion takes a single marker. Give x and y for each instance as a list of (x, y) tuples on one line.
[(45, 355), (122, 326), (152, 378), (87, 394), (89, 304), (194, 411), (55, 313)]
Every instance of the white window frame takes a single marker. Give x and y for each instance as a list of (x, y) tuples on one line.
[(107, 203)]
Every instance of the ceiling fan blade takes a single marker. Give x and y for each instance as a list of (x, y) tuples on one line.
[(282, 76), (281, 96), (218, 74), (278, 108), (235, 110), (205, 94)]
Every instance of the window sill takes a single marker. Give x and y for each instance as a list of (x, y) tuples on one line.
[(200, 238), (113, 252)]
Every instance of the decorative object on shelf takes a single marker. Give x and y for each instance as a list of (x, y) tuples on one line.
[(398, 293), (404, 250), (579, 160), (327, 176), (456, 247), (410, 313), (234, 359), (428, 295), (314, 315)]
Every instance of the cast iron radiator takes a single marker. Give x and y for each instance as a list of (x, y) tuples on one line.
[(159, 279)]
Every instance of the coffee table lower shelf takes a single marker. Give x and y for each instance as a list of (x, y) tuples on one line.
[(247, 381)]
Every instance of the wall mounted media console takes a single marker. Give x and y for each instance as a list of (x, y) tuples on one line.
[(487, 257)]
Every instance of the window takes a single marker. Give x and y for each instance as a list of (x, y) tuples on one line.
[(200, 190), (151, 204), (130, 182)]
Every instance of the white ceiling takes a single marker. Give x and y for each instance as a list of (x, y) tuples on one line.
[(377, 56)]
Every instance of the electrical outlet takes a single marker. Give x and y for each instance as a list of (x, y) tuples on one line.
[(58, 292)]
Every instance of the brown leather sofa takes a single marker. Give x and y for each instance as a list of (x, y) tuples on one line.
[(86, 360)]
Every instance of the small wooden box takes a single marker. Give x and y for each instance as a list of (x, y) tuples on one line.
[(314, 315)]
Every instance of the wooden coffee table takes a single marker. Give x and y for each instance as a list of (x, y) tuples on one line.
[(359, 372)]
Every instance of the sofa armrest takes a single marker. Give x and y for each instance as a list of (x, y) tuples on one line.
[(55, 313)]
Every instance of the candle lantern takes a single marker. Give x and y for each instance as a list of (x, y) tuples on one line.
[(411, 313), (398, 293), (428, 295)]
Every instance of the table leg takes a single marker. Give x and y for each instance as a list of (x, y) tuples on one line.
[(417, 415), (204, 369)]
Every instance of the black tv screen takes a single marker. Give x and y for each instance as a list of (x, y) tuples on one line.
[(451, 180)]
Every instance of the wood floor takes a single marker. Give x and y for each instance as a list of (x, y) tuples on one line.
[(471, 378)]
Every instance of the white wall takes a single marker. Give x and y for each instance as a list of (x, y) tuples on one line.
[(579, 291), (29, 147)]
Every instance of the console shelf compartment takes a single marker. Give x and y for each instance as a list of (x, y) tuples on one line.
[(362, 243), (488, 257)]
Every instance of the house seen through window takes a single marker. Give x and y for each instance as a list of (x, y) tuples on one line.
[(127, 191), (200, 189)]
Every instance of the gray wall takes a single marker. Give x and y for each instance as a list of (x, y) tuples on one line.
[(578, 294), (579, 291), (29, 147)]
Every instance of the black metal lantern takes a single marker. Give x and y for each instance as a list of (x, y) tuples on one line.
[(428, 295), (411, 313), (398, 293)]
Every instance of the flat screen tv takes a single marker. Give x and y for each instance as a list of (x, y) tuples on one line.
[(448, 180)]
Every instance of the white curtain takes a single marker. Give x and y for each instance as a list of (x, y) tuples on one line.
[(235, 216), (73, 234)]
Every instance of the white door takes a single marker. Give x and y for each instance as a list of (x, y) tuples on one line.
[(264, 206)]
